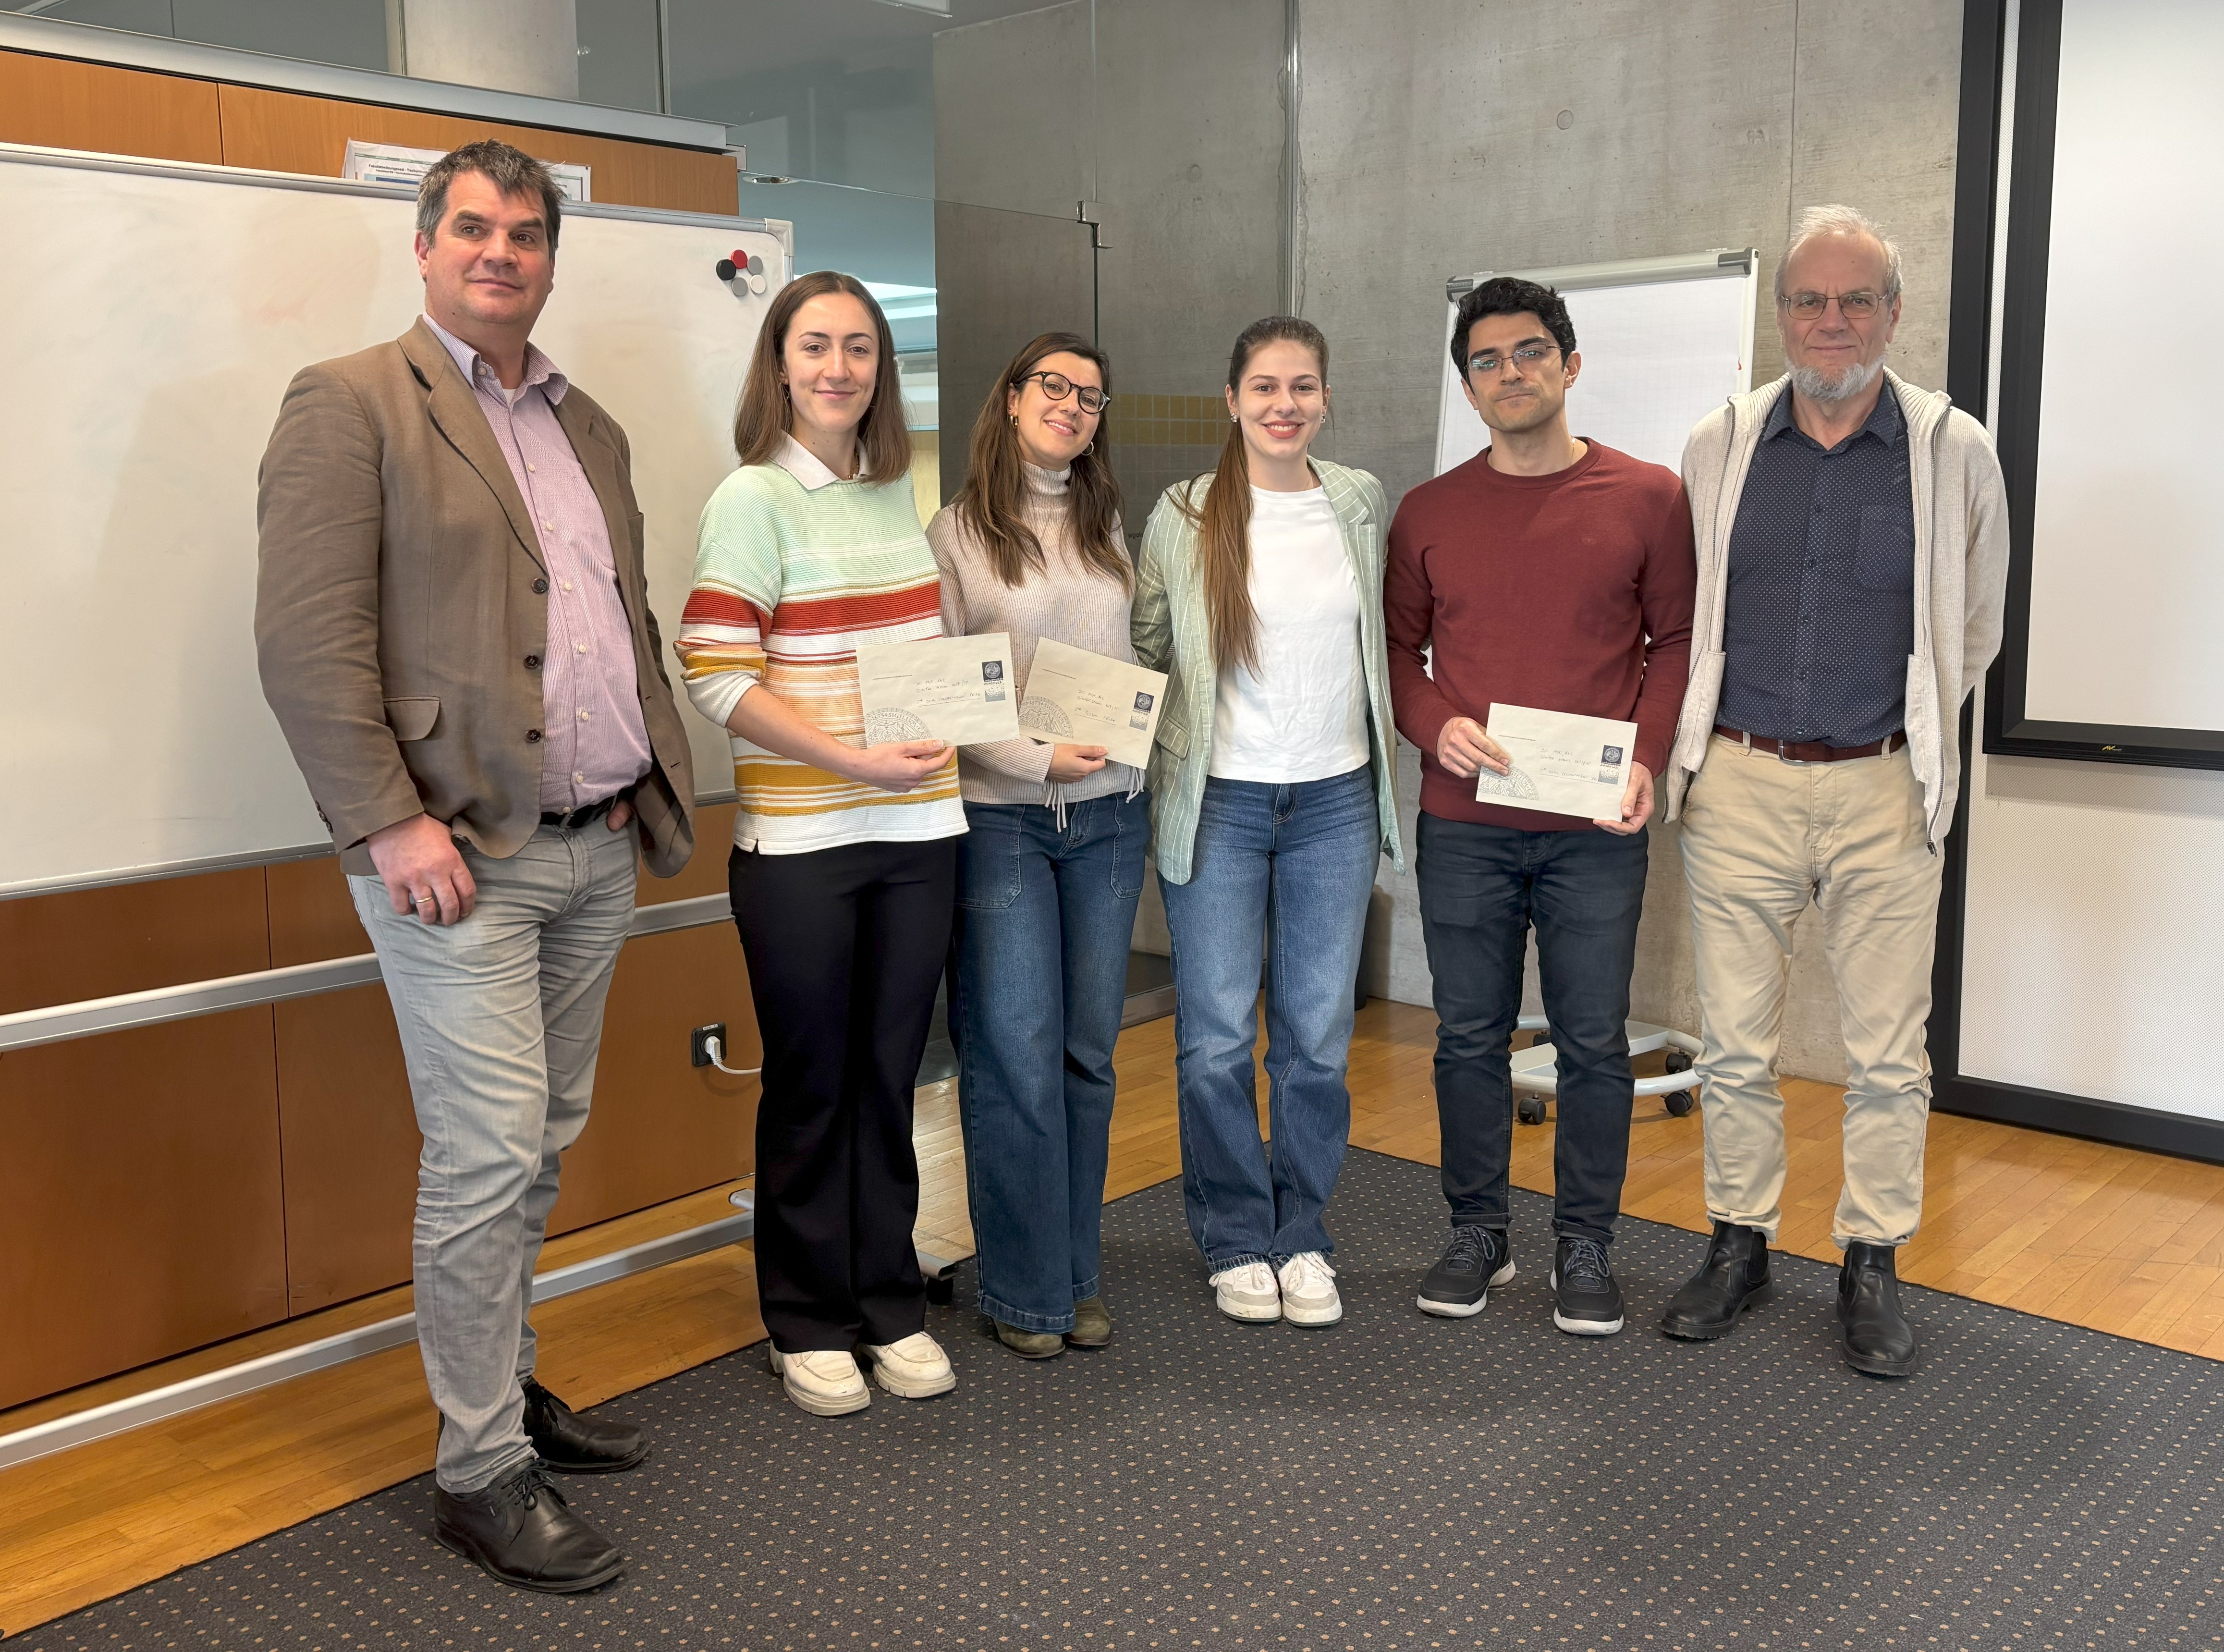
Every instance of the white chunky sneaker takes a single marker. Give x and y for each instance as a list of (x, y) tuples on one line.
[(1248, 1292), (1309, 1290), (915, 1368), (824, 1381)]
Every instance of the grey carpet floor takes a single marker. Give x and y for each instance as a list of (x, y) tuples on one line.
[(1392, 1482)]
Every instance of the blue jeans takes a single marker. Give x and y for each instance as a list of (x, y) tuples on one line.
[(1290, 866), (1045, 916), (1481, 888)]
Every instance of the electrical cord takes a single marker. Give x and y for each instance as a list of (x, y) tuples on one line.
[(715, 1047)]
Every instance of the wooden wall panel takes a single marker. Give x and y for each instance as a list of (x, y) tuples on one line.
[(94, 943), (141, 1207), (311, 915), (706, 872), (58, 103), (284, 131), (351, 1142), (661, 1128)]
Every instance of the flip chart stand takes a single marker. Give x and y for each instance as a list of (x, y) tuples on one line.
[(1536, 1069)]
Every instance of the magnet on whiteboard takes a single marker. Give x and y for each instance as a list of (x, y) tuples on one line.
[(756, 267), (726, 269), (756, 282)]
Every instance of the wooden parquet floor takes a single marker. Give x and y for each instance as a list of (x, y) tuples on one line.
[(2107, 1237)]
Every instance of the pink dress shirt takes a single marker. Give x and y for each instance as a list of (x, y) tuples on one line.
[(595, 741)]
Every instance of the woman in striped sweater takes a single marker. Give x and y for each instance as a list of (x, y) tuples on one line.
[(844, 854)]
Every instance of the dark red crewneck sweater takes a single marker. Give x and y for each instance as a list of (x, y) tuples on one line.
[(1569, 593)]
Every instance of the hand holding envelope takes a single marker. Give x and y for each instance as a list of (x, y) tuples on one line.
[(956, 689), (1080, 698), (1560, 763)]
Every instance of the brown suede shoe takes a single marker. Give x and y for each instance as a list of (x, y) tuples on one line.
[(1030, 1345), (1092, 1324)]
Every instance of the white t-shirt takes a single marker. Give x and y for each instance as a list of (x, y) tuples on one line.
[(1303, 715)]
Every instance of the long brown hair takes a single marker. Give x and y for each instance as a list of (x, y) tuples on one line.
[(1223, 521), (761, 422), (991, 505)]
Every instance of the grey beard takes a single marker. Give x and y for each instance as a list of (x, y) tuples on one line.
[(1817, 385)]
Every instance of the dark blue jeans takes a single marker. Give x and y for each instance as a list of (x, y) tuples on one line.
[(1045, 917), (1481, 888), (1290, 867)]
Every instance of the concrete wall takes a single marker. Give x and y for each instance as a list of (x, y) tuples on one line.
[(1168, 114), (1440, 137), (514, 45)]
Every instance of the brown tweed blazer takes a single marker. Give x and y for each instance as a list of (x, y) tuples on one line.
[(401, 607)]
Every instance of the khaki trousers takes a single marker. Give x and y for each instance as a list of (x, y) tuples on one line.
[(1761, 837)]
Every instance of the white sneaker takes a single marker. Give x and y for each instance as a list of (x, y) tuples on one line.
[(1248, 1292), (824, 1381), (1309, 1290), (915, 1368)]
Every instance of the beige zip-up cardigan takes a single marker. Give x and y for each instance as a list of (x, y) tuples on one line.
[(1960, 577)]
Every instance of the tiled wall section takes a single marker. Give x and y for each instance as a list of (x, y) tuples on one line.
[(1158, 441)]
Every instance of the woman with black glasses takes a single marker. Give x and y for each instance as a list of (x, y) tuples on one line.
[(1051, 864)]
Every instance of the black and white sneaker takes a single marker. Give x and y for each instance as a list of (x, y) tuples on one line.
[(1586, 1302), (1458, 1287)]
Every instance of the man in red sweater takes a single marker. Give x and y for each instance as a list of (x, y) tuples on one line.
[(1553, 572)]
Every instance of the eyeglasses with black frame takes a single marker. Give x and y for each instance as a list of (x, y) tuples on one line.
[(1528, 359), (1857, 306), (1058, 386)]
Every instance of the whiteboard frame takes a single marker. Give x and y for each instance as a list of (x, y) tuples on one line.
[(1618, 272), (92, 161)]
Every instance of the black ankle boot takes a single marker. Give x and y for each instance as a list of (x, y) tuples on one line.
[(1879, 1339), (1733, 1276), (572, 1444), (523, 1532)]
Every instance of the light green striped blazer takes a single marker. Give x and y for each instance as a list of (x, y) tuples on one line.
[(1171, 634)]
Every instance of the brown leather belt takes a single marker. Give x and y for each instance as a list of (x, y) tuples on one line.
[(1812, 751)]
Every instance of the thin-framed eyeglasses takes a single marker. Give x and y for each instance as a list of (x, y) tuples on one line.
[(1528, 359), (1856, 305), (1058, 386)]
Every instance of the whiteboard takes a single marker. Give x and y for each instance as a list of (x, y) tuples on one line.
[(153, 315), (2127, 529), (1665, 341)]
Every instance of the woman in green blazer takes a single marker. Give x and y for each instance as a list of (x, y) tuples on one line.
[(1259, 593)]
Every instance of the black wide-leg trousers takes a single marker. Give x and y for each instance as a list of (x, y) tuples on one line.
[(845, 948)]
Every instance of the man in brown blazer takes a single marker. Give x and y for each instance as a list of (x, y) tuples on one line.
[(455, 634)]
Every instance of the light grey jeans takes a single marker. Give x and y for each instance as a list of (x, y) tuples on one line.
[(501, 1016)]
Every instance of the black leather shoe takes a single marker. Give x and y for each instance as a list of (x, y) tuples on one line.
[(572, 1444), (1731, 1279), (1879, 1339), (523, 1532)]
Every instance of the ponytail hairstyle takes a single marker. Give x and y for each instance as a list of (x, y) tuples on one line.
[(991, 506), (1223, 521), (761, 422)]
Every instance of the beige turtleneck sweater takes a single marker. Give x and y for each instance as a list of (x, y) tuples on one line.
[(1070, 601)]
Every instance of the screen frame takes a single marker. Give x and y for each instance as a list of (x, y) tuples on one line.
[(1987, 26), (2029, 202)]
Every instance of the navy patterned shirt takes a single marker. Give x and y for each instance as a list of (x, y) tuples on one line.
[(1820, 613)]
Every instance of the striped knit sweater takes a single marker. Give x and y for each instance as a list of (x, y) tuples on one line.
[(793, 570)]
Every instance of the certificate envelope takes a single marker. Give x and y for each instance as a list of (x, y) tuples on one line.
[(1081, 699), (1559, 763), (953, 688)]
